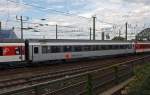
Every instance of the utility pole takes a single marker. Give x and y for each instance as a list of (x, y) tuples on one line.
[(21, 23), (94, 18), (90, 33), (119, 33), (56, 31), (103, 36), (126, 32)]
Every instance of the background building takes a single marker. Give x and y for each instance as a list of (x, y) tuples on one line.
[(143, 35), (7, 34)]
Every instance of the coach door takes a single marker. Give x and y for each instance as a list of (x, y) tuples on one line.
[(35, 53)]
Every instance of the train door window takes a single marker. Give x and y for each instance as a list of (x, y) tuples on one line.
[(1, 51), (36, 50)]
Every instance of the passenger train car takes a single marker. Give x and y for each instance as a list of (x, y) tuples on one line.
[(12, 51), (141, 47), (42, 50), (34, 51)]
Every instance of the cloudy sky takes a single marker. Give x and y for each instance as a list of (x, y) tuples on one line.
[(76, 14)]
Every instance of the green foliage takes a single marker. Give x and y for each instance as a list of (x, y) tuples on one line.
[(141, 84), (118, 39)]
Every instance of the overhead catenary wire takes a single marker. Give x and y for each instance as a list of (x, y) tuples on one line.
[(62, 12), (49, 9)]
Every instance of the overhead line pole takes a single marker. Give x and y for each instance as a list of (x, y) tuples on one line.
[(56, 31), (90, 33), (94, 18), (21, 23), (126, 32)]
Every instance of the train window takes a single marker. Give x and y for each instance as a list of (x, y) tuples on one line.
[(94, 48), (17, 51), (67, 48), (117, 47), (125, 46), (87, 48), (103, 47), (77, 48), (114, 47), (121, 47), (110, 47), (46, 49), (1, 51), (55, 49), (36, 50)]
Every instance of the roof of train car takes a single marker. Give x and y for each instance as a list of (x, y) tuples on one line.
[(72, 40)]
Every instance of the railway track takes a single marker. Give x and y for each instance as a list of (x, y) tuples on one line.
[(44, 77)]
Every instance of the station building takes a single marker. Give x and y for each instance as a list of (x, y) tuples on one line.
[(7, 34)]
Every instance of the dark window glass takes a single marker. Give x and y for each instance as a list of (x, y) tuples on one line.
[(17, 50), (114, 47), (1, 51), (121, 46), (87, 48), (125, 46), (94, 48), (100, 47), (97, 47), (106, 47), (117, 47), (49, 49), (36, 50), (55, 49), (129, 46), (46, 49), (77, 48), (103, 47), (109, 47), (67, 48)]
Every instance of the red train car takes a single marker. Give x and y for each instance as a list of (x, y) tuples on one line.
[(142, 47), (12, 51)]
